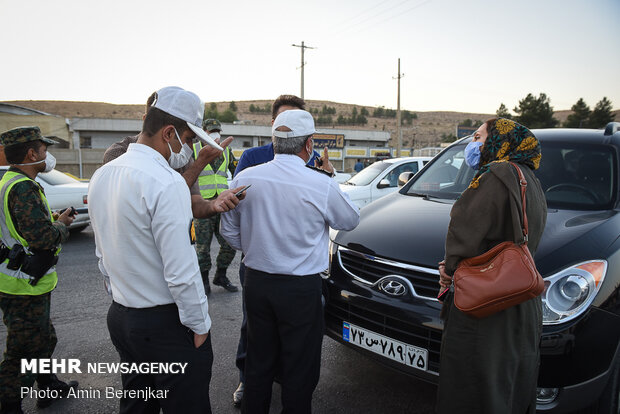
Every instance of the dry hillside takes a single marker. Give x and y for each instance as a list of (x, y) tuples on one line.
[(426, 130)]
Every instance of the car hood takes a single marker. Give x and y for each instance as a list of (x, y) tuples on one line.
[(413, 230)]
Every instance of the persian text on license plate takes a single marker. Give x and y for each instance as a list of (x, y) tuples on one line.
[(390, 348)]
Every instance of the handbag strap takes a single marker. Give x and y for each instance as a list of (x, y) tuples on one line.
[(523, 185)]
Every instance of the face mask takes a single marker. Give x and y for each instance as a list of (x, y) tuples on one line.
[(472, 154), (215, 135), (179, 159), (49, 160)]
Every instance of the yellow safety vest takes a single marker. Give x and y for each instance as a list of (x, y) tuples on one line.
[(15, 282), (212, 183)]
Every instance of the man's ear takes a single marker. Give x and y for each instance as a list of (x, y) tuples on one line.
[(167, 132)]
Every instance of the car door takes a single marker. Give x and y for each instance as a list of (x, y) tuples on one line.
[(387, 182)]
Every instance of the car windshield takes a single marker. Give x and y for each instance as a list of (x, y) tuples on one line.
[(55, 177), (368, 174), (573, 176)]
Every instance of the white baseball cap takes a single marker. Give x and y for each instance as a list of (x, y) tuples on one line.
[(299, 122), (184, 105)]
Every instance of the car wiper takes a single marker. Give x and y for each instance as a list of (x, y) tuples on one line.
[(424, 196), (348, 183)]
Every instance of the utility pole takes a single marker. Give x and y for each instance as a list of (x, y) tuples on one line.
[(302, 46), (399, 132)]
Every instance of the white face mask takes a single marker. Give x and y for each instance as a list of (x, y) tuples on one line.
[(215, 135), (181, 158), (49, 160)]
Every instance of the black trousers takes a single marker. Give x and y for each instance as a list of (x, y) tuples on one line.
[(285, 333), (156, 335)]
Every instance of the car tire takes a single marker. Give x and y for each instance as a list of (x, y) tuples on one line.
[(610, 398)]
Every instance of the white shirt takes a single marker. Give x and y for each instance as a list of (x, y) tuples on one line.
[(141, 213), (282, 225)]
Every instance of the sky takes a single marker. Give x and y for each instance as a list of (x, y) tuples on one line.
[(456, 55)]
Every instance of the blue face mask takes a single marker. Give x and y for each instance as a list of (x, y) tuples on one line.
[(472, 154)]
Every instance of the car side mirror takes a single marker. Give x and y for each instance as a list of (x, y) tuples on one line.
[(383, 183), (404, 177)]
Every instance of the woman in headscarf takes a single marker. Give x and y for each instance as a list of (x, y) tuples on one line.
[(490, 365)]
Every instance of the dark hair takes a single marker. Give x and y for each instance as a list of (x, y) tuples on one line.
[(156, 119), (289, 100), (150, 101), (16, 153), (489, 123)]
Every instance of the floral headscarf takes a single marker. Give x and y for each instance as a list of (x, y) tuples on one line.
[(508, 141)]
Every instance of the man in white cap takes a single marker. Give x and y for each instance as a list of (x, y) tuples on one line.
[(141, 216), (282, 227)]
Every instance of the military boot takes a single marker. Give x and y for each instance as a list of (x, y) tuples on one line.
[(11, 407), (56, 389), (220, 279)]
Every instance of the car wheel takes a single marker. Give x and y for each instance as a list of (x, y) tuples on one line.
[(610, 399)]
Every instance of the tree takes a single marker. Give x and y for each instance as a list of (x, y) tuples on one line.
[(364, 111), (502, 112), (601, 115), (580, 116), (535, 112), (227, 116), (448, 137), (232, 106), (379, 112), (211, 112), (466, 123)]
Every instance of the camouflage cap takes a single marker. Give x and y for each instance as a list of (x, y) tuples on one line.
[(211, 125), (24, 134)]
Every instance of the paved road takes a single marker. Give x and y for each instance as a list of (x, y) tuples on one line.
[(349, 383)]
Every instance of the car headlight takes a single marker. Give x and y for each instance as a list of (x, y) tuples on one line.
[(569, 292)]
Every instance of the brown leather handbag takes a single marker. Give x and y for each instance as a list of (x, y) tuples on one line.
[(500, 278)]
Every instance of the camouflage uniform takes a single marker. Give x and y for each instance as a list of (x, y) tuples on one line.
[(207, 227), (30, 333)]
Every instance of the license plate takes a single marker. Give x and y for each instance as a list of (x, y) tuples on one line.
[(390, 348)]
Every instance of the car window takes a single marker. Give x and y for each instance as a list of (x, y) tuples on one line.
[(578, 177), (447, 177), (369, 173), (55, 177), (393, 175), (573, 176)]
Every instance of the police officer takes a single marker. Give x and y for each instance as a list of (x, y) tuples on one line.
[(31, 241), (282, 227), (212, 181)]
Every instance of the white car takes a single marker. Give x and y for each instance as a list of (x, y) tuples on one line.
[(63, 191), (380, 178)]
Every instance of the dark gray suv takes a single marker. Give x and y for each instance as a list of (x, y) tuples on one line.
[(382, 284)]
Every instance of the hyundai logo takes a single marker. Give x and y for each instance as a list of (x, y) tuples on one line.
[(392, 287)]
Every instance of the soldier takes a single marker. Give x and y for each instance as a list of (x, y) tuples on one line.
[(212, 181), (29, 250)]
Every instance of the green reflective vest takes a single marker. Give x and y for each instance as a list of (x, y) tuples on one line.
[(211, 183), (15, 282)]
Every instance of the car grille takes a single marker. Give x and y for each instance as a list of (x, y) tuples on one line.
[(369, 269), (338, 311)]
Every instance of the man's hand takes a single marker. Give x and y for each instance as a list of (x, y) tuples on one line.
[(326, 165), (200, 339), (208, 153), (66, 218), (227, 200)]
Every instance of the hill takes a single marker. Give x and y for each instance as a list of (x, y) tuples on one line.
[(426, 130)]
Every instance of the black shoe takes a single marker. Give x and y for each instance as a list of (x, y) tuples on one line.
[(58, 388), (220, 279), (11, 407)]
